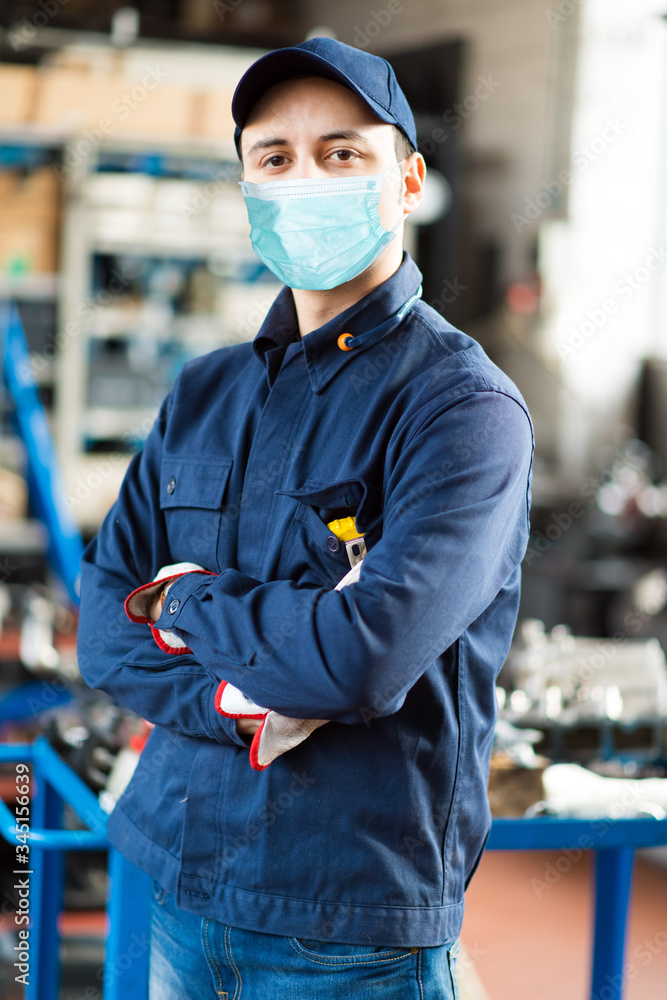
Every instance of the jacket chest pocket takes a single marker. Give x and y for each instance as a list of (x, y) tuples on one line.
[(311, 552), (192, 494)]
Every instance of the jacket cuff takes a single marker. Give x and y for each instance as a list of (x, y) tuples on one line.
[(182, 586), (138, 604)]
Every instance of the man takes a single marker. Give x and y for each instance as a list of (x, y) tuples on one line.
[(339, 869)]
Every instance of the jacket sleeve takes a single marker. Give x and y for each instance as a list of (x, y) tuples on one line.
[(119, 656), (455, 531)]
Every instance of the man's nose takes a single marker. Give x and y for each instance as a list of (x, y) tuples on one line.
[(308, 167)]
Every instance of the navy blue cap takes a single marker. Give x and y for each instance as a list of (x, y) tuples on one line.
[(368, 76)]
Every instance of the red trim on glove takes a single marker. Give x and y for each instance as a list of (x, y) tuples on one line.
[(162, 582), (126, 605), (254, 749), (231, 715), (156, 586), (165, 645)]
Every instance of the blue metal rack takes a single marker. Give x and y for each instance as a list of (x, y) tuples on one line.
[(48, 493), (54, 783)]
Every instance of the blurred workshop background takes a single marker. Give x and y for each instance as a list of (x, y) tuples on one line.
[(124, 252)]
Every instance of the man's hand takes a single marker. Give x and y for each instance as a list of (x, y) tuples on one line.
[(158, 604), (248, 727), (146, 602)]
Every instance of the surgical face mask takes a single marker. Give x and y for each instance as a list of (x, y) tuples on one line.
[(317, 233)]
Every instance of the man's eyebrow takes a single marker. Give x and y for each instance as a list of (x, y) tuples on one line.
[(276, 140), (344, 133), (273, 140)]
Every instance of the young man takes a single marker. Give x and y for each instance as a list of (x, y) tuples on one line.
[(339, 869)]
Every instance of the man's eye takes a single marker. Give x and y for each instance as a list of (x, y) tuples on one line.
[(344, 154), (275, 161)]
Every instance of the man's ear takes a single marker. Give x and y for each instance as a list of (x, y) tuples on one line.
[(413, 182)]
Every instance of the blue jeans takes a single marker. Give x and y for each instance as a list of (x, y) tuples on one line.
[(194, 958)]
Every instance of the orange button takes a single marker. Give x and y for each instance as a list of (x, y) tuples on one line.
[(342, 342)]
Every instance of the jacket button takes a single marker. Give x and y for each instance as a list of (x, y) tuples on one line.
[(333, 544), (171, 486), (173, 607)]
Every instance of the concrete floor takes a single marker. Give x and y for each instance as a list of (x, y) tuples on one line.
[(528, 936)]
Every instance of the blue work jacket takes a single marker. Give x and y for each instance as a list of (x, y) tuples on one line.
[(370, 828)]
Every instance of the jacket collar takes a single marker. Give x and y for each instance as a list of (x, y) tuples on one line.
[(324, 358)]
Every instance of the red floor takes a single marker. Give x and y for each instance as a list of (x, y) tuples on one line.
[(527, 928)]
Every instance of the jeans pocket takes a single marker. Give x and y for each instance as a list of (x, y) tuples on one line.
[(336, 954), (452, 956), (157, 892)]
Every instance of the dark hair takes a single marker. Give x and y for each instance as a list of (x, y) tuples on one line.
[(402, 144)]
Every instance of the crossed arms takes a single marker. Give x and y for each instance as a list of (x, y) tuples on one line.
[(454, 531)]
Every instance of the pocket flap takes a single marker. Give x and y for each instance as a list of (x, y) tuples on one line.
[(361, 496), (193, 482)]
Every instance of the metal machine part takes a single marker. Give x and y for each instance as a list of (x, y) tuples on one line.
[(592, 697)]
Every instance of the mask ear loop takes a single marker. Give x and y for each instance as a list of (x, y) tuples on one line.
[(402, 217), (346, 341)]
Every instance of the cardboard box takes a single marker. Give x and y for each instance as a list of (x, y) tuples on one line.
[(100, 105), (152, 108), (39, 188), (72, 99), (215, 120), (18, 90), (28, 248), (75, 99), (513, 789), (34, 196), (29, 226)]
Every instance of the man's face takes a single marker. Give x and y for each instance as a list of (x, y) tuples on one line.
[(313, 127)]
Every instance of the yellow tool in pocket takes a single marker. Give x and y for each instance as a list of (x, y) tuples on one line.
[(345, 530)]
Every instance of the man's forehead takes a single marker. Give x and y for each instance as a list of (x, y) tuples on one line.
[(321, 96)]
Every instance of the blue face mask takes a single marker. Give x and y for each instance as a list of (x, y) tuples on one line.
[(317, 233)]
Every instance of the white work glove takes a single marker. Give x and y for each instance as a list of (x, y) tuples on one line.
[(277, 733), (139, 603)]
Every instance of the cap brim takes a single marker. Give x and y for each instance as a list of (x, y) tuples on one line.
[(275, 67)]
